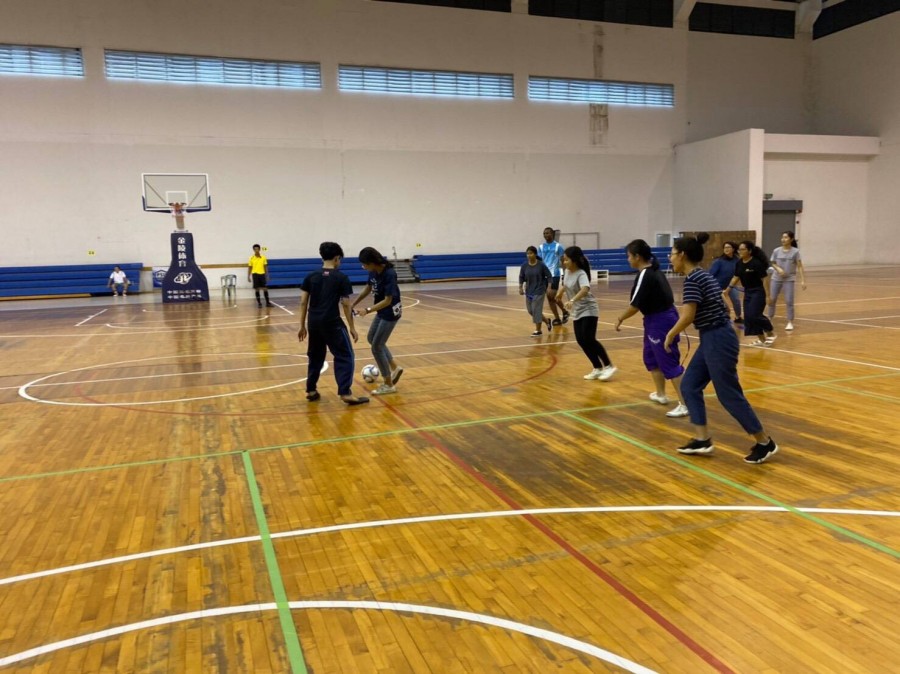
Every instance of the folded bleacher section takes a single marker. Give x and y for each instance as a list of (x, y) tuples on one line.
[(493, 265), (84, 279)]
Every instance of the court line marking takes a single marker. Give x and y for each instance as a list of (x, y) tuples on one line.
[(850, 321), (401, 431), (23, 390), (848, 301), (819, 355), (166, 329), (867, 394), (736, 485), (90, 317), (371, 524), (491, 621), (288, 628), (524, 345), (283, 308)]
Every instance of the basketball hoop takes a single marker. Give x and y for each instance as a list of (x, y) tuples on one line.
[(178, 212)]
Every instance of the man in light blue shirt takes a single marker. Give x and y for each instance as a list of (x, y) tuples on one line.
[(551, 252)]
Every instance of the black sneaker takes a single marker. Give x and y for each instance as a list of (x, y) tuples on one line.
[(549, 325), (761, 452), (556, 321), (536, 333), (738, 321), (565, 317), (696, 446)]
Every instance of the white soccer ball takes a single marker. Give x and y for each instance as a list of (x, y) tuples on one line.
[(370, 373)]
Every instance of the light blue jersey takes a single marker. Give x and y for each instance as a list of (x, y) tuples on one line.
[(551, 254)]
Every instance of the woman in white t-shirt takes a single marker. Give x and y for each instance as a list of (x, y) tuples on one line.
[(787, 264), (119, 282), (585, 314)]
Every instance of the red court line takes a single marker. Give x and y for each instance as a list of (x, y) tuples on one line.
[(615, 584)]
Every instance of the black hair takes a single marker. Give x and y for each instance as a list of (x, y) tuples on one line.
[(641, 249), (733, 248), (531, 249), (794, 242), (330, 250), (756, 251), (369, 255), (256, 245), (575, 254), (692, 247)]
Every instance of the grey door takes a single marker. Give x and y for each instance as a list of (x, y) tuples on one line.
[(774, 223)]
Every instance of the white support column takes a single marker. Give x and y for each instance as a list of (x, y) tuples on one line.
[(807, 13), (519, 7), (681, 11)]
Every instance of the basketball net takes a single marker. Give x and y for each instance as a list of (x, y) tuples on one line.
[(178, 213)]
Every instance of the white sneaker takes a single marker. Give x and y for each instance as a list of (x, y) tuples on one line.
[(596, 373), (771, 339), (680, 411), (607, 372), (661, 399), (384, 389), (789, 326), (758, 342)]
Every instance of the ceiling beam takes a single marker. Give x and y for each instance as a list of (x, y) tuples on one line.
[(807, 13), (681, 11)]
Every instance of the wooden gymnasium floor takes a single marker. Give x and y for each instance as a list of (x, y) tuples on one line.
[(169, 502)]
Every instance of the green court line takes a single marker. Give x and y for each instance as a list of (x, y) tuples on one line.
[(738, 486), (406, 431), (867, 394), (288, 628)]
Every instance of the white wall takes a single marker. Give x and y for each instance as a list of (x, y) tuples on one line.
[(857, 91), (290, 169), (834, 195), (718, 183), (740, 82)]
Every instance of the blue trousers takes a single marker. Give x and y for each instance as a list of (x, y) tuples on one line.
[(755, 321), (716, 360), (735, 296), (337, 340), (378, 335), (775, 287)]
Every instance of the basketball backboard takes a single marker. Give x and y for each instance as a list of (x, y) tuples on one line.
[(161, 189)]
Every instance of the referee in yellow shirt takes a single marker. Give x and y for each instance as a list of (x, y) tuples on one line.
[(258, 272)]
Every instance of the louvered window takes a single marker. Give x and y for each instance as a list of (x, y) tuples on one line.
[(52, 61), (424, 82), (562, 90), (184, 69)]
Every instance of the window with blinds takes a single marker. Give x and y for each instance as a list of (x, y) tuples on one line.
[(51, 61), (562, 90), (445, 83), (184, 69)]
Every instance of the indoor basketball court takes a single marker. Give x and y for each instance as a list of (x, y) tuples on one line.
[(498, 514), (173, 499)]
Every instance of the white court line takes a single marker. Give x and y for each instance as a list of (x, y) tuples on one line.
[(24, 388), (819, 355), (546, 635), (90, 317), (526, 345), (165, 328), (505, 308), (861, 299), (851, 321), (283, 308), (440, 518)]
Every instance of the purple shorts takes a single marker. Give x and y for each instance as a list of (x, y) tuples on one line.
[(656, 327)]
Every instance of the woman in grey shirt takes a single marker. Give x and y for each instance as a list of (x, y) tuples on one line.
[(534, 278), (585, 314), (787, 263)]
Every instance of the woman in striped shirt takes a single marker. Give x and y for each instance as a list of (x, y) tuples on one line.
[(717, 356)]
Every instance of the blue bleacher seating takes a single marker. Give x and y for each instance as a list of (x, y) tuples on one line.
[(290, 272), (493, 265), (84, 279)]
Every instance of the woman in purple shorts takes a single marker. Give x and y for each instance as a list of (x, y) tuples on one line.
[(652, 296)]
